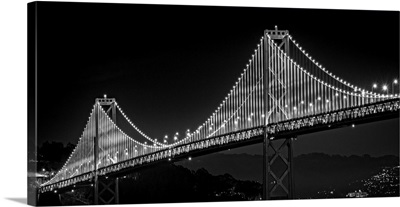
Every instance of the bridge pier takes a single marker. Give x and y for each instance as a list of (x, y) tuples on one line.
[(278, 180), (107, 191)]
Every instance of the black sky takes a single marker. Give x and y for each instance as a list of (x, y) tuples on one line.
[(170, 66)]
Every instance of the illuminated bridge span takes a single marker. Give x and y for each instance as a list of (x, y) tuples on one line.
[(282, 93)]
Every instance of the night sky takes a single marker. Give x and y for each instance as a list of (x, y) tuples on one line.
[(169, 67)]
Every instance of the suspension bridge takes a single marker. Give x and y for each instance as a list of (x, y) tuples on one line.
[(282, 93)]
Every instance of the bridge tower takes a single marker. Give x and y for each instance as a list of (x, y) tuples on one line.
[(277, 154), (105, 188)]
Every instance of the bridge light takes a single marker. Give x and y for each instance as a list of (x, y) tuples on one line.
[(319, 98), (344, 97), (353, 125), (262, 115), (236, 122), (336, 94), (395, 81), (302, 102), (249, 119), (294, 108), (384, 87), (55, 191), (190, 158), (327, 101), (311, 104)]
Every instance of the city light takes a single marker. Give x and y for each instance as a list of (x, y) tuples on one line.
[(385, 88), (374, 86)]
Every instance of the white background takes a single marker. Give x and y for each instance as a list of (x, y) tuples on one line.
[(13, 95)]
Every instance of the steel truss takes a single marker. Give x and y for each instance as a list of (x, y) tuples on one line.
[(278, 180)]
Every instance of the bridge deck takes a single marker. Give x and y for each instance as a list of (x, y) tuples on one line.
[(287, 129)]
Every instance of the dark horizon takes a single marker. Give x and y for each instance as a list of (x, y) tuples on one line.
[(169, 75)]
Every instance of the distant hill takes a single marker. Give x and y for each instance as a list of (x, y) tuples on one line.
[(170, 183), (315, 172)]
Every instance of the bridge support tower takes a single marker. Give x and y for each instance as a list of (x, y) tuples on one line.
[(105, 188), (278, 180)]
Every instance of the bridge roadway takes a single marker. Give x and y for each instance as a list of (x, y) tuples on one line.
[(387, 109)]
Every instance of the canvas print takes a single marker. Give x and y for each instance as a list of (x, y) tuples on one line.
[(135, 103)]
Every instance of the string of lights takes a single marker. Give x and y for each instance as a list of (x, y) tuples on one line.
[(138, 130), (354, 88)]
